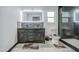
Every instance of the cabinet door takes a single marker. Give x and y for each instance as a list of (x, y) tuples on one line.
[(20, 35), (39, 36)]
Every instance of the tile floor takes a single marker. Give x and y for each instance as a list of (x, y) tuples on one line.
[(73, 42), (47, 47)]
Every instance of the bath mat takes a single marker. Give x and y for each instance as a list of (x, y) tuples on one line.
[(31, 46), (59, 46), (27, 45)]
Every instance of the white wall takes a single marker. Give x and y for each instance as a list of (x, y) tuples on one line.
[(8, 27)]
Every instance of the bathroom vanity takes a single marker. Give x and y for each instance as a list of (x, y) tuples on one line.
[(31, 35), (31, 32)]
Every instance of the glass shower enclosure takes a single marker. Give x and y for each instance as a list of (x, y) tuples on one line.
[(69, 22)]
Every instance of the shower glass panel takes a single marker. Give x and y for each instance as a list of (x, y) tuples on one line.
[(67, 25)]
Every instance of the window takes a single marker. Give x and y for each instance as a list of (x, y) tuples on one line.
[(76, 17), (50, 16), (65, 17), (64, 20)]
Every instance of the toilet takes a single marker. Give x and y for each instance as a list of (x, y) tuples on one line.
[(55, 39)]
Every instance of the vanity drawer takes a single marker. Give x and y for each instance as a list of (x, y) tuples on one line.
[(30, 30), (30, 34)]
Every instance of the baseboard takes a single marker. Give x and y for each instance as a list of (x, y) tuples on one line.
[(12, 47), (71, 46)]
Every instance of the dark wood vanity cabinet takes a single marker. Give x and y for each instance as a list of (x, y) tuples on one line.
[(31, 35)]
